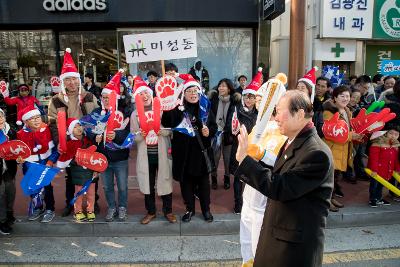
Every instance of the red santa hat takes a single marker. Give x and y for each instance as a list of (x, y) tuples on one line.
[(140, 86), (69, 70), (114, 84), (27, 113), (71, 123), (255, 84), (310, 79), (189, 81)]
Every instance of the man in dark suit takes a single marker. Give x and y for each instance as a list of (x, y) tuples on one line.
[(298, 188)]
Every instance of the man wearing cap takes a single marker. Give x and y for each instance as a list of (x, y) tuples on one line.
[(298, 187), (77, 103)]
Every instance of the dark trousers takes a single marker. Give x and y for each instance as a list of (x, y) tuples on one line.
[(7, 198), (48, 190), (238, 191), (358, 162), (188, 185), (150, 199), (70, 188), (396, 184), (375, 190)]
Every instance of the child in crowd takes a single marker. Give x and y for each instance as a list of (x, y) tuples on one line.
[(8, 169), (247, 115), (22, 101), (37, 136), (383, 160), (80, 175)]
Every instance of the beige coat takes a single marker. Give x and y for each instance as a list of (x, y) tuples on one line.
[(164, 173)]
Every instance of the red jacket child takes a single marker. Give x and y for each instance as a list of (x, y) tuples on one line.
[(384, 154), (22, 101)]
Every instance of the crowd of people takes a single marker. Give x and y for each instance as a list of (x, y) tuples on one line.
[(171, 155)]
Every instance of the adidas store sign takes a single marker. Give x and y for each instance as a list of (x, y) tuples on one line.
[(75, 5)]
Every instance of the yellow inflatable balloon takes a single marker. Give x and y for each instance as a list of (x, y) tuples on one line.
[(396, 176), (383, 182)]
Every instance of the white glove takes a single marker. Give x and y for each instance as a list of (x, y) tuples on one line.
[(4, 89)]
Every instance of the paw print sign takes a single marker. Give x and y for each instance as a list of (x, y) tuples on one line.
[(168, 92), (152, 138), (4, 88), (119, 122), (55, 83)]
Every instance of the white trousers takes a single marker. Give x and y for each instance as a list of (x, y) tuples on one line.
[(251, 220)]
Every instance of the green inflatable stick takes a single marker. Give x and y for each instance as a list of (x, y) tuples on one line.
[(375, 105)]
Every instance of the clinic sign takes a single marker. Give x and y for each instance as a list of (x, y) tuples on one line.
[(387, 19), (75, 5), (160, 46), (347, 19)]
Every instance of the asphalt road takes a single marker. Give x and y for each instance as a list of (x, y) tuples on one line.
[(357, 246)]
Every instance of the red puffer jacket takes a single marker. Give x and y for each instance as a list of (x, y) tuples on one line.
[(384, 160)]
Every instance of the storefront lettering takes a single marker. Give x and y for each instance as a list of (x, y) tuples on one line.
[(75, 5)]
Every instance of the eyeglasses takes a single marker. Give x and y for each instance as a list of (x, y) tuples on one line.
[(191, 92), (35, 118)]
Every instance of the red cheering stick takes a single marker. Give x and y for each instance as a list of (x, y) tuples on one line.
[(12, 150), (62, 129), (336, 130), (156, 114), (144, 122), (372, 122), (113, 107), (90, 159)]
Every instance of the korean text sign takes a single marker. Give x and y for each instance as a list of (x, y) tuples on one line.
[(160, 46), (347, 18), (390, 67)]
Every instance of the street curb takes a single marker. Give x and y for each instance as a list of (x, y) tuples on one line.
[(223, 224)]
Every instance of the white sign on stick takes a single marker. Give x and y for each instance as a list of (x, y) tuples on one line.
[(160, 46)]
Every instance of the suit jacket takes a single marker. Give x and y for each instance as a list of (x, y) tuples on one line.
[(299, 188)]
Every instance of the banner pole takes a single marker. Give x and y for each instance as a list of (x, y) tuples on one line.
[(162, 67)]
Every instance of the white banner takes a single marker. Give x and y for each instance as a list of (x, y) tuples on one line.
[(335, 50), (161, 45), (347, 19)]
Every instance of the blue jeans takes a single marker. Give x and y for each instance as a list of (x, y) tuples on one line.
[(375, 190), (119, 169)]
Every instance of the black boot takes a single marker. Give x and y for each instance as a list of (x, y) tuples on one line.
[(227, 182), (10, 218), (67, 211), (214, 184)]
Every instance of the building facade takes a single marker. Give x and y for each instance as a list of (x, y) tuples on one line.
[(34, 34)]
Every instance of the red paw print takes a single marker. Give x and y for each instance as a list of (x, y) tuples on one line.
[(119, 118), (166, 87), (3, 86), (55, 81)]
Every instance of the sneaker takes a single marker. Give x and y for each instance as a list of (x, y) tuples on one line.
[(237, 209), (383, 202), (373, 204), (5, 229), (111, 213), (79, 217), (96, 208), (338, 192), (48, 216), (36, 214), (397, 199), (91, 216), (67, 211), (122, 213)]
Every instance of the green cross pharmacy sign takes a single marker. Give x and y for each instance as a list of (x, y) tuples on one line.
[(386, 19)]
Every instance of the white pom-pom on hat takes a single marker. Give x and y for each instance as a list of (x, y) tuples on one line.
[(68, 50), (19, 123), (259, 69)]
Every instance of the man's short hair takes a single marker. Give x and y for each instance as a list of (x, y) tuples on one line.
[(389, 77), (363, 79), (89, 75), (242, 76), (328, 82), (300, 100), (152, 72), (171, 67), (129, 75)]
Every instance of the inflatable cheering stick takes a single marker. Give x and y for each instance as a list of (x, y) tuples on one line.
[(372, 122), (11, 150), (90, 159), (62, 129), (336, 130)]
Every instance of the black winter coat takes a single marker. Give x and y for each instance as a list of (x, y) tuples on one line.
[(299, 188), (10, 164), (248, 119), (187, 157), (235, 100), (318, 118)]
